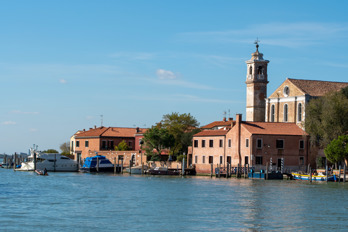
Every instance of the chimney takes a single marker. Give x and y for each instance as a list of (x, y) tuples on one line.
[(238, 119), (230, 119), (84, 129), (137, 129), (95, 127), (224, 119)]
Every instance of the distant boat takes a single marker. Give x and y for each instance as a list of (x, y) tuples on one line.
[(51, 161), (137, 169), (317, 177), (91, 165), (41, 173), (164, 171)]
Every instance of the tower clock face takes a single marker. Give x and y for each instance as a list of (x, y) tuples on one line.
[(286, 91)]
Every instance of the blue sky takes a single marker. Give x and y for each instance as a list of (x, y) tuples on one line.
[(65, 63)]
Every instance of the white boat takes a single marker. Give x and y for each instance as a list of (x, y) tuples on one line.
[(53, 162)]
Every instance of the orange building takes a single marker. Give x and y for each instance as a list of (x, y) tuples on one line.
[(104, 139)]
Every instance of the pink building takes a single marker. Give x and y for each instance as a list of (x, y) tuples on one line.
[(251, 143)]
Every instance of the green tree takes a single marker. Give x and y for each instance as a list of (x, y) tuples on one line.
[(65, 148), (182, 127), (337, 150), (50, 151), (156, 139), (326, 118), (122, 146)]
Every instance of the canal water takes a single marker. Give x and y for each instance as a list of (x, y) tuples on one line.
[(107, 202)]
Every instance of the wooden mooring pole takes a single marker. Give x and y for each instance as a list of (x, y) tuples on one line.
[(339, 174), (122, 166), (267, 171), (211, 170), (115, 165), (97, 164), (327, 172), (344, 172), (310, 174)]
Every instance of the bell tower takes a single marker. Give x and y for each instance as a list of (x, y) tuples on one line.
[(256, 81)]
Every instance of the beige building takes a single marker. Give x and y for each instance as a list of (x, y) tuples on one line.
[(288, 102)]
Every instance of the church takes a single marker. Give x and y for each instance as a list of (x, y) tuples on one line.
[(272, 132)]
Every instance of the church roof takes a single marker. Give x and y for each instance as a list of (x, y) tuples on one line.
[(217, 124), (318, 88)]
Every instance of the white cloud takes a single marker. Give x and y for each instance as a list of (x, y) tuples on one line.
[(33, 129), (9, 123), (62, 81), (22, 112), (165, 74)]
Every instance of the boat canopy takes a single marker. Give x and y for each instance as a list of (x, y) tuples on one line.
[(92, 161)]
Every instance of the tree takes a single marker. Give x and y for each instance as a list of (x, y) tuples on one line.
[(122, 146), (50, 151), (326, 118), (337, 150), (156, 139), (182, 127), (65, 148)]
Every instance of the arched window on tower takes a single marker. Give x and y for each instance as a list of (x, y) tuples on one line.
[(285, 112), (299, 112), (272, 113), (250, 70), (260, 70)]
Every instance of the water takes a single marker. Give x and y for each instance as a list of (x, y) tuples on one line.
[(99, 202)]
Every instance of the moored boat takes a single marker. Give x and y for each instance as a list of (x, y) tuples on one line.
[(51, 161), (98, 163), (164, 171), (315, 177)]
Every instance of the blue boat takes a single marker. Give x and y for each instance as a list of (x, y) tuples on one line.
[(90, 165)]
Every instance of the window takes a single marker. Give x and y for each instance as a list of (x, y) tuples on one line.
[(111, 145), (250, 70), (104, 144), (246, 160), (195, 143), (229, 159), (86, 143), (259, 143), (203, 159), (203, 143), (229, 143), (258, 160), (196, 159), (72, 145), (211, 159), (211, 143), (272, 113), (280, 143), (301, 160), (77, 143), (301, 144), (286, 91), (130, 145), (285, 112), (220, 143), (259, 70), (299, 112), (246, 142), (220, 159)]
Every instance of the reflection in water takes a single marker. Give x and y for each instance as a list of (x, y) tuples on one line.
[(96, 202)]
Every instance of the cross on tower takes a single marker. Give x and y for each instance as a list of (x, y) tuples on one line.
[(257, 43)]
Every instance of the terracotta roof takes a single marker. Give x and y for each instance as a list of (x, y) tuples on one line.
[(110, 132), (220, 132), (273, 128), (318, 88), (217, 123)]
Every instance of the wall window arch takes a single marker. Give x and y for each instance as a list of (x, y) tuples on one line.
[(250, 70), (299, 112), (286, 112), (272, 113)]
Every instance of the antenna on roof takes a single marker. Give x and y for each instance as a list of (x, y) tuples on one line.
[(101, 120), (229, 113)]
